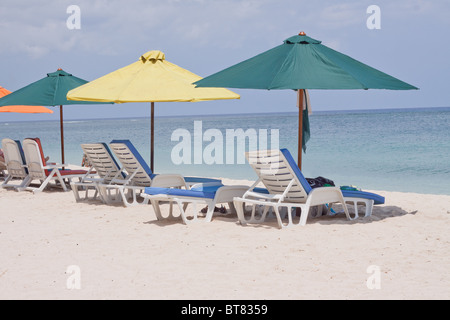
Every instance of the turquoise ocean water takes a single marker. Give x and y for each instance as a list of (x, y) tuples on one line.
[(405, 150)]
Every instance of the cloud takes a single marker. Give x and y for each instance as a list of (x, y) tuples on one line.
[(109, 27), (112, 27), (342, 15)]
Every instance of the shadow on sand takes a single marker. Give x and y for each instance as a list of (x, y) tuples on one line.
[(379, 213)]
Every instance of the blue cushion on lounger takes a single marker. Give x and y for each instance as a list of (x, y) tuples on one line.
[(149, 172), (364, 195), (346, 193), (112, 157), (261, 190), (296, 170), (22, 154), (137, 155), (201, 192), (201, 180)]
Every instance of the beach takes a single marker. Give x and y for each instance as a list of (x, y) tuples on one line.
[(400, 252), (334, 87)]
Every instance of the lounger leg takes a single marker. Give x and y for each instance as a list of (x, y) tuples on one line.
[(304, 214), (76, 193), (239, 206), (344, 205), (279, 219), (86, 188), (182, 205), (368, 203), (61, 180), (5, 183), (157, 209), (43, 184), (24, 185), (369, 208), (111, 195), (129, 198), (232, 208), (102, 194), (131, 193), (210, 212), (355, 204), (183, 215)]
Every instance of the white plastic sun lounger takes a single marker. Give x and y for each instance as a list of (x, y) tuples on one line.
[(15, 164), (106, 171), (210, 195), (38, 169), (286, 188), (139, 176)]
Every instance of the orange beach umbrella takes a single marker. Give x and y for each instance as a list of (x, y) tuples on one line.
[(21, 109)]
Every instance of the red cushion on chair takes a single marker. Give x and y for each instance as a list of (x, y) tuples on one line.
[(68, 172), (65, 172), (38, 141)]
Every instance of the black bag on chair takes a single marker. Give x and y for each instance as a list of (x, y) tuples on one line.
[(320, 182)]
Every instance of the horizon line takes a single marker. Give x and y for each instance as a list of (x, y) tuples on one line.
[(248, 114)]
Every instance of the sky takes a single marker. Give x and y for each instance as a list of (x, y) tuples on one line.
[(206, 36)]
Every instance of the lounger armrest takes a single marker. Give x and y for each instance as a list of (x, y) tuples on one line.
[(227, 193), (53, 166), (265, 196), (324, 195), (168, 181), (205, 184), (119, 181), (92, 179)]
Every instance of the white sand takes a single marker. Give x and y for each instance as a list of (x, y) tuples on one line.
[(125, 253)]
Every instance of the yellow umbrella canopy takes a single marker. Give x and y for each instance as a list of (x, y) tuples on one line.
[(150, 79)]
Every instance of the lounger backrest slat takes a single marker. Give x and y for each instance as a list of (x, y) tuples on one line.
[(275, 169), (132, 162), (102, 160), (14, 158)]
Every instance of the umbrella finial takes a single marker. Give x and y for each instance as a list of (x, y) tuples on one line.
[(302, 33), (59, 69), (153, 55)]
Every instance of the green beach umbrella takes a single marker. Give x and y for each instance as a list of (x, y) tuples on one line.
[(301, 63), (49, 91)]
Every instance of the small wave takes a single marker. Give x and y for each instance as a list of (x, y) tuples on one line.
[(74, 121)]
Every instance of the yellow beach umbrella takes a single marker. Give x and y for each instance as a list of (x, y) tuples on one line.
[(150, 79)]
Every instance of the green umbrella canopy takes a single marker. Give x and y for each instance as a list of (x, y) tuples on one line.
[(49, 91), (302, 62)]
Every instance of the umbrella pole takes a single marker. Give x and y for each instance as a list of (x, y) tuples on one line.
[(300, 128), (152, 137), (62, 133), (300, 136)]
